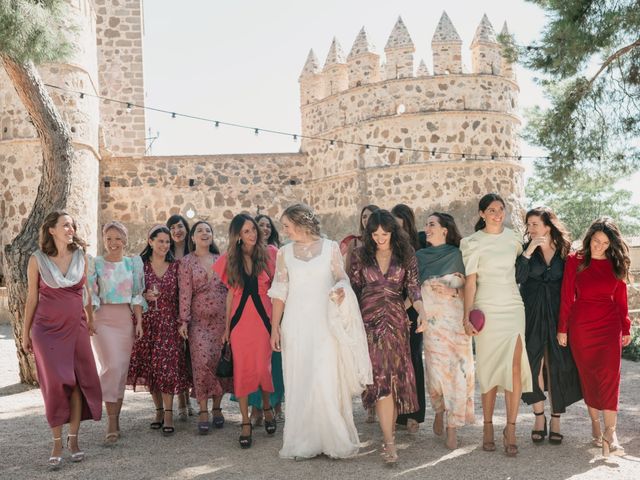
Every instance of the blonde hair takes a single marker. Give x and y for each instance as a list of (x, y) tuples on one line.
[(303, 216)]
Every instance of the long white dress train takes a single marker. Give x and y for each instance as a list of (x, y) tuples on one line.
[(319, 416)]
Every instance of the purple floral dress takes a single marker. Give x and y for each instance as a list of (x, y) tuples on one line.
[(387, 325), (202, 308), (158, 358)]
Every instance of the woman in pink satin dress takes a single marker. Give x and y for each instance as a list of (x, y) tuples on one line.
[(56, 330)]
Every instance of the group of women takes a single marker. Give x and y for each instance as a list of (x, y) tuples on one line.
[(324, 322)]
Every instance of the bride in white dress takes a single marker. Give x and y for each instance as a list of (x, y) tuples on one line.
[(309, 271)]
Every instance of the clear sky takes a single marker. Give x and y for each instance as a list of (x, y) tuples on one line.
[(239, 61)]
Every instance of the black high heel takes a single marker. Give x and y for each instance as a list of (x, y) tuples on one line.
[(270, 425), (538, 436), (157, 425), (246, 440), (555, 438), (168, 431)]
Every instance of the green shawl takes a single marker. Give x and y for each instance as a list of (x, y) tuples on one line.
[(439, 261)]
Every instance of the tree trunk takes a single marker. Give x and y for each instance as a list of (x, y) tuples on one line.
[(53, 192)]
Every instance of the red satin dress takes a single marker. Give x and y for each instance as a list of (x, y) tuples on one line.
[(63, 353), (594, 314)]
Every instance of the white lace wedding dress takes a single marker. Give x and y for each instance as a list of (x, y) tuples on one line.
[(319, 417)]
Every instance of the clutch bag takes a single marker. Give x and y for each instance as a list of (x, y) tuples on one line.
[(476, 318)]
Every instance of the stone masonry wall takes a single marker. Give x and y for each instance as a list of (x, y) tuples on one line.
[(119, 39), (145, 191), (20, 152)]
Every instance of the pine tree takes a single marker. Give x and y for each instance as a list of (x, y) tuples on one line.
[(31, 33), (588, 58)]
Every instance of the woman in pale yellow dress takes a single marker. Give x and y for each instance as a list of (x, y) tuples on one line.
[(501, 361), (447, 348)]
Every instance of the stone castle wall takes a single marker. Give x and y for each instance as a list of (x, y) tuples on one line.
[(20, 152), (120, 43), (144, 191)]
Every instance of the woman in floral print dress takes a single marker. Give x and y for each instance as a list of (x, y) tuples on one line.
[(202, 314), (158, 360)]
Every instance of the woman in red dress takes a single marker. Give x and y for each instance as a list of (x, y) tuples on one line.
[(56, 330), (158, 359), (247, 270), (594, 315)]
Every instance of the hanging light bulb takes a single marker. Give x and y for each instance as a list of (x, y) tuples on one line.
[(129, 107)]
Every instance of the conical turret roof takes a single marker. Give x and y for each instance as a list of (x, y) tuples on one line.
[(399, 37), (311, 66), (505, 29), (484, 32), (361, 45), (445, 31), (335, 55), (422, 69)]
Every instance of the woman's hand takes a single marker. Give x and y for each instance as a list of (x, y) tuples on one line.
[(149, 296), (92, 328), (183, 330), (562, 339), (442, 289), (337, 295), (626, 340), (225, 335), (535, 243), (27, 346), (139, 331), (275, 339), (422, 323), (469, 329)]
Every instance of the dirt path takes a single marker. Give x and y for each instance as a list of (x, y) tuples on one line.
[(145, 454)]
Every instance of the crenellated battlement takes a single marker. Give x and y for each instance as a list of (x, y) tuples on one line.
[(363, 66)]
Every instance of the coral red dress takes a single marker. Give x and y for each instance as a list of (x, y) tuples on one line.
[(250, 328), (594, 313)]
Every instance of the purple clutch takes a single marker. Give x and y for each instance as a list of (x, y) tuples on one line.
[(476, 318)]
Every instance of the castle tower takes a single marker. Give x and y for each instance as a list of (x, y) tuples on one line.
[(335, 70), (446, 46), (363, 62), (399, 52), (486, 52), (311, 83), (119, 39), (507, 67), (437, 143), (20, 152), (422, 71)]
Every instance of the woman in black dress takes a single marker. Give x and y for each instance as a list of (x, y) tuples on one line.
[(539, 272), (407, 221)]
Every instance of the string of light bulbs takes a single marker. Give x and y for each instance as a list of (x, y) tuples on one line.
[(129, 106)]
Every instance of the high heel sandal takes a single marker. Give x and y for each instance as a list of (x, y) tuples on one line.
[(218, 420), (75, 456), (157, 425), (203, 427), (182, 414), (111, 438), (608, 446), (538, 436), (555, 438), (390, 457), (510, 449), (167, 431), (491, 445), (246, 440), (54, 463), (270, 426)]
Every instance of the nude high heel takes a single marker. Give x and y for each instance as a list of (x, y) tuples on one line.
[(54, 463)]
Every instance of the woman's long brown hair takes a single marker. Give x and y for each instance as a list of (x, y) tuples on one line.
[(235, 263)]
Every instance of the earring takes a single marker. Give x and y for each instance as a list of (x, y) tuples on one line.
[(239, 242)]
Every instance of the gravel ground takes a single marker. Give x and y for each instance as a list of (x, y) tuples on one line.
[(142, 453)]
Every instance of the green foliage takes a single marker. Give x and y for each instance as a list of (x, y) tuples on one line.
[(632, 351), (582, 196), (34, 30), (588, 57)]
